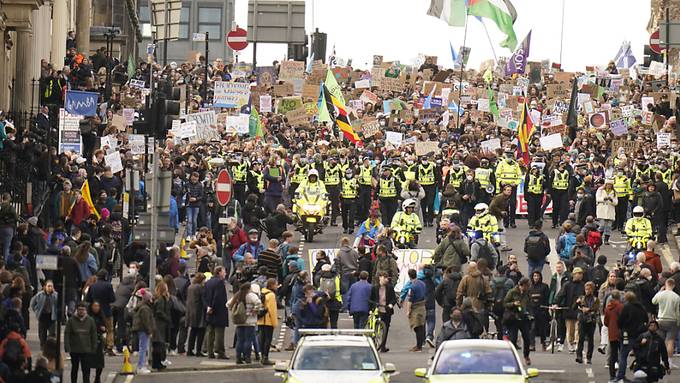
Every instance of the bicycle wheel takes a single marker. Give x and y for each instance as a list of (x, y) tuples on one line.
[(378, 333)]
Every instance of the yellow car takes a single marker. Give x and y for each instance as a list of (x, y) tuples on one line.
[(335, 356), (478, 361)]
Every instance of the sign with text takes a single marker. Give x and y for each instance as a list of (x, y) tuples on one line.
[(231, 94), (81, 103), (290, 70)]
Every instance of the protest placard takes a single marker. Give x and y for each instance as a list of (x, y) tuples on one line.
[(187, 130), (363, 84), (393, 139), (356, 104), (110, 142), (238, 123), (231, 94), (114, 161), (552, 141), (289, 70), (202, 119), (298, 117), (265, 103), (137, 143), (286, 104), (563, 77), (137, 83), (647, 118), (266, 76), (618, 127), (370, 127), (310, 91), (312, 108), (427, 148), (392, 84), (369, 97), (283, 90), (483, 105), (629, 146), (129, 115), (119, 122), (558, 90), (663, 140), (656, 69), (490, 145)]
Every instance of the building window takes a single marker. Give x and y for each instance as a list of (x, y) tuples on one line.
[(185, 16), (145, 21), (210, 20)]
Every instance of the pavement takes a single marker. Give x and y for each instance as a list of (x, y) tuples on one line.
[(558, 367)]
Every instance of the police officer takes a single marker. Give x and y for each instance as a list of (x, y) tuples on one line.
[(409, 172), (487, 180), (666, 172), (484, 222), (559, 192), (639, 228), (624, 193), (239, 170), (456, 174), (256, 181), (366, 184), (508, 172), (332, 182), (387, 192), (427, 177), (406, 221), (350, 189), (534, 187), (300, 168)]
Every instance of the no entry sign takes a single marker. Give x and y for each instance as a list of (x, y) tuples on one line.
[(654, 40), (223, 187), (237, 39)]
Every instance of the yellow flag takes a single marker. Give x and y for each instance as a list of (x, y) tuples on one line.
[(85, 191)]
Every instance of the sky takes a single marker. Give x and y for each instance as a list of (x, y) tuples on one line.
[(401, 30)]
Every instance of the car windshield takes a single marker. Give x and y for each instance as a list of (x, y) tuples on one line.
[(336, 358), (477, 361)]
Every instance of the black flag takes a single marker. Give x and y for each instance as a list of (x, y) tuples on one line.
[(572, 121)]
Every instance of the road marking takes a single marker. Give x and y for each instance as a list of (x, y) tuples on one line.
[(552, 371), (618, 242), (129, 378), (110, 377), (255, 367), (589, 372)]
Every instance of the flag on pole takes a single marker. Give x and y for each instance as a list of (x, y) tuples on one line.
[(502, 13), (518, 61), (454, 55), (87, 196), (451, 11), (525, 129), (338, 114), (309, 63), (572, 114), (131, 67), (427, 104), (255, 124), (624, 58)]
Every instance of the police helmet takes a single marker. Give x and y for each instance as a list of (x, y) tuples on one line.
[(409, 203), (481, 207), (638, 211), (313, 172)]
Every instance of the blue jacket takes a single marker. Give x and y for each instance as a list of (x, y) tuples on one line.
[(38, 303), (309, 314), (247, 247), (368, 229), (88, 268), (174, 214), (358, 296)]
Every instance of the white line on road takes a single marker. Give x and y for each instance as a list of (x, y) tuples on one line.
[(553, 257), (589, 372), (129, 378), (551, 371), (110, 377)]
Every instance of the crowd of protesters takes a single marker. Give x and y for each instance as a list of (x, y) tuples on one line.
[(240, 279)]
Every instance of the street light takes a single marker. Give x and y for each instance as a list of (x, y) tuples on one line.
[(109, 33)]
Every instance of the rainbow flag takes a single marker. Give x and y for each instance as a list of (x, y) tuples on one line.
[(525, 129), (87, 196)]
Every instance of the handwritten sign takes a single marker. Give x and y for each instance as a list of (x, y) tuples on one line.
[(551, 142), (114, 161), (427, 148), (310, 91), (129, 115), (238, 123), (298, 117), (137, 143), (231, 94), (558, 90), (618, 127), (265, 103), (369, 97), (490, 145), (393, 139), (187, 130), (629, 146), (138, 84), (283, 90), (290, 70), (663, 140), (370, 128)]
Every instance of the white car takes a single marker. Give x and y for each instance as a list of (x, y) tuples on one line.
[(335, 356), (476, 360)]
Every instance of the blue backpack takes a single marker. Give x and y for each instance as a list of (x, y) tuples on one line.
[(567, 242)]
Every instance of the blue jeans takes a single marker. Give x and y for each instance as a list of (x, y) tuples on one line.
[(360, 320), (535, 266), (6, 235), (143, 339), (430, 322), (192, 219), (623, 360), (245, 335)]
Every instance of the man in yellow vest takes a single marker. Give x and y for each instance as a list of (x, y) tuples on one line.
[(559, 192), (348, 194), (484, 222), (666, 172), (508, 172), (256, 181), (331, 179), (534, 187), (624, 193), (409, 172), (639, 228), (366, 183), (487, 181), (299, 171), (428, 179), (456, 174), (239, 174), (387, 191)]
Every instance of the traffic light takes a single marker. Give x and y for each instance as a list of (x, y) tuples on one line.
[(319, 45), (650, 55), (297, 52)]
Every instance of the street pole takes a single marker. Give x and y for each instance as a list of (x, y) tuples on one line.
[(205, 83), (668, 45), (154, 220), (460, 80), (165, 33), (61, 304)]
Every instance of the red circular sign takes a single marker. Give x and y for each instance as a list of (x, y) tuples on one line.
[(223, 187), (237, 39), (654, 40)]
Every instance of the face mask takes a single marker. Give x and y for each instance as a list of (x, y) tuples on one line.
[(382, 123), (132, 271), (579, 196), (425, 162), (469, 178), (409, 162), (457, 318)]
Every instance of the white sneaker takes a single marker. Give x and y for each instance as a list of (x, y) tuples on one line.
[(143, 371), (166, 363), (560, 348), (172, 353)]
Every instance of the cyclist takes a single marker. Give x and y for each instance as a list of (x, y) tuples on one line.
[(384, 299), (406, 224)]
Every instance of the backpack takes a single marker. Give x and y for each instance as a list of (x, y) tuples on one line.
[(594, 240), (499, 292), (534, 247), (632, 286), (599, 275), (568, 242), (486, 252), (263, 311), (328, 284), (164, 268), (14, 353), (239, 315)]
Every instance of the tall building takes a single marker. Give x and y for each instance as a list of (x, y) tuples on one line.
[(197, 16), (658, 16)]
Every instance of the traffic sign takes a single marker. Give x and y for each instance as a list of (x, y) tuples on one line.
[(237, 39), (654, 42), (223, 187)]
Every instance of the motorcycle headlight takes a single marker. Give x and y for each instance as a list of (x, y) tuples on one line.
[(310, 208)]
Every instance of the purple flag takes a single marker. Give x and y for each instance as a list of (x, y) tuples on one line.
[(518, 61)]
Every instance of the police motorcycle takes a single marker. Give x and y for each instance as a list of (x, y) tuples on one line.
[(311, 207), (406, 230), (488, 229), (639, 232)]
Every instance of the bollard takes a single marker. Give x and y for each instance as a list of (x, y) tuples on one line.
[(127, 367)]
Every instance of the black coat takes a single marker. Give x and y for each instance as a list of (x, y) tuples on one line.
[(215, 296), (390, 297), (652, 203), (633, 319), (102, 292), (568, 295)]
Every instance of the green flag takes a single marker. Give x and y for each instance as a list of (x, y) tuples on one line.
[(493, 107), (324, 115), (131, 67), (254, 124), (333, 87)]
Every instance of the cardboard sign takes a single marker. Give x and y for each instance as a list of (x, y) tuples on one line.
[(283, 90), (490, 145), (391, 84), (647, 118), (265, 103), (427, 148), (298, 117), (663, 140), (114, 161), (363, 84), (645, 102), (129, 115), (618, 127), (287, 104), (558, 90), (290, 70), (369, 97), (119, 122), (238, 124), (393, 139), (266, 76), (202, 119), (231, 94), (187, 130), (110, 142), (370, 127), (310, 91), (483, 105), (629, 146), (563, 77), (551, 142)]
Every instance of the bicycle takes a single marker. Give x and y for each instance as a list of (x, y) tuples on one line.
[(553, 325), (377, 326)]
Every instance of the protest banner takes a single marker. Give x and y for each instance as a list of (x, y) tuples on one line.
[(629, 146), (389, 84), (618, 127), (187, 130), (238, 123), (298, 117), (289, 70), (310, 91), (490, 145), (81, 103), (427, 148), (114, 161), (551, 142), (663, 140), (69, 132), (231, 94), (558, 90), (286, 104), (393, 139), (266, 76), (369, 97), (137, 84), (205, 126), (370, 127), (265, 103)]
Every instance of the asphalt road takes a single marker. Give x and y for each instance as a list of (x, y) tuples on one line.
[(558, 367)]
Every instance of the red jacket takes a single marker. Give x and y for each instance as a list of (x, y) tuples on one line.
[(654, 260), (236, 240), (79, 212), (611, 318), (17, 336)]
